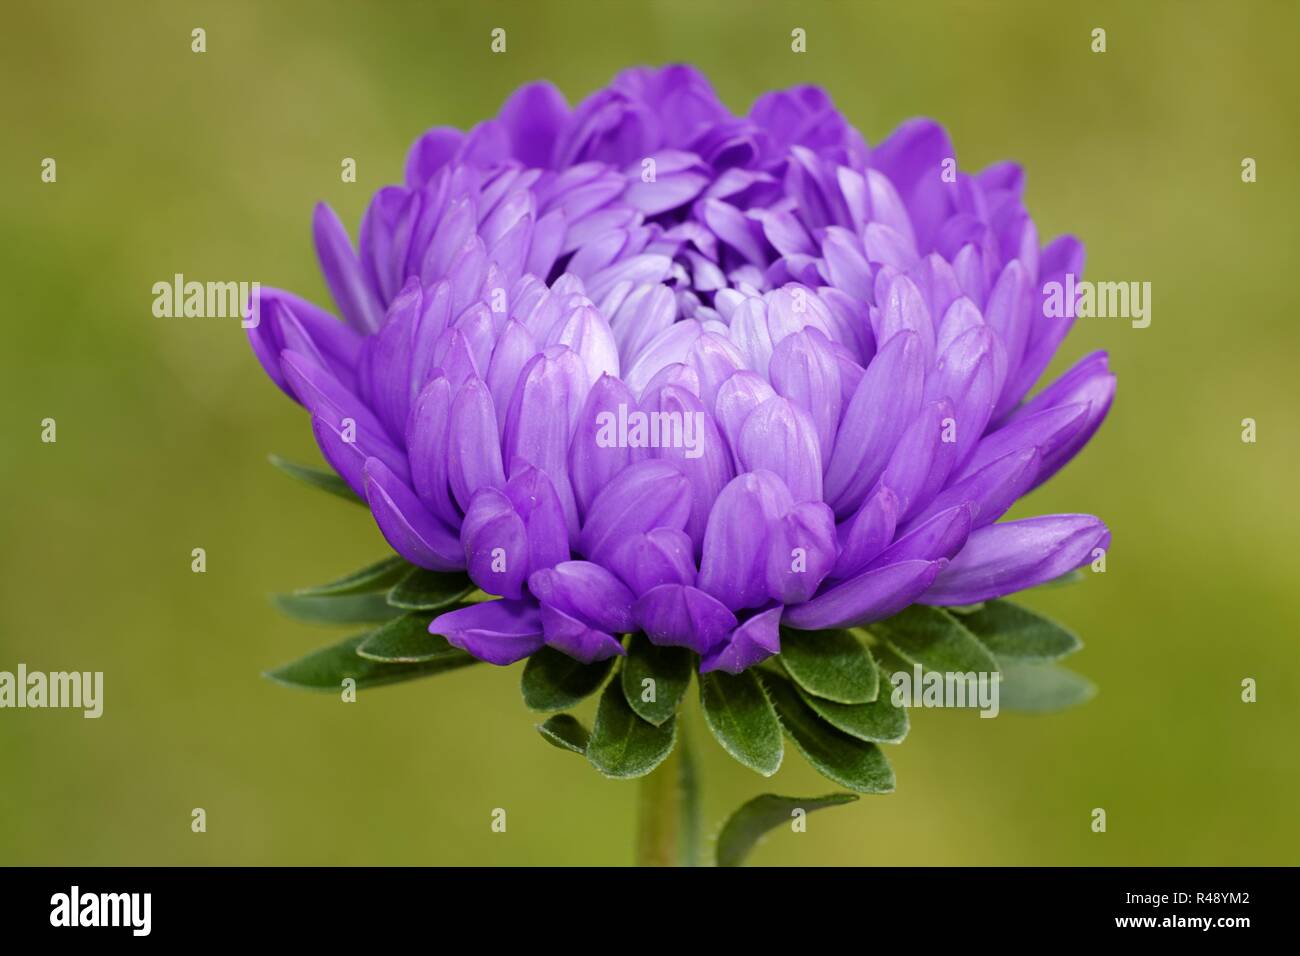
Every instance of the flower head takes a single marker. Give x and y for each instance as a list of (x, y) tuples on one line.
[(646, 365)]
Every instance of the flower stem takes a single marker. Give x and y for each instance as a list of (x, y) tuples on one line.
[(667, 816)]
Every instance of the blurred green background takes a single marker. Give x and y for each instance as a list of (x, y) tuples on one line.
[(209, 165)]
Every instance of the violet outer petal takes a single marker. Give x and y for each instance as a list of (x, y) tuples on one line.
[(991, 490), (587, 592), (1089, 381), (675, 615), (661, 556), (804, 370), (802, 550), (1046, 430), (754, 641), (426, 445), (966, 376), (867, 533), (499, 632), (734, 560), (595, 454), (495, 543), (645, 495), (885, 401), (344, 457), (576, 639), (940, 537), (921, 462), (414, 532), (867, 597), (473, 443), (357, 301), (781, 437), (701, 455), (533, 495), (1003, 558), (324, 395)]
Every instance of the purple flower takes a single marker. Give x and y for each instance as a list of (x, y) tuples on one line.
[(643, 364)]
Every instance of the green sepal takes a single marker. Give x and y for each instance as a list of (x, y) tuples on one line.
[(406, 640), (742, 719), (424, 590), (1014, 632), (326, 669), (850, 762), (878, 722), (747, 826), (319, 478), (379, 576), (1032, 687), (555, 681), (623, 745), (565, 732), (669, 667), (935, 639), (832, 664), (370, 608)]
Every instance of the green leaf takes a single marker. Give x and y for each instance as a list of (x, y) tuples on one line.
[(325, 669), (889, 663), (423, 590), (566, 732), (878, 722), (742, 719), (831, 664), (373, 577), (1012, 631), (623, 745), (851, 763), (319, 478), (935, 639), (555, 681), (670, 669), (744, 828), (406, 640), (370, 608), (1037, 688)]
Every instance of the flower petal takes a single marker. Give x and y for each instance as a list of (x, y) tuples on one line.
[(496, 544), (586, 592), (867, 597), (754, 641), (357, 301), (867, 533), (577, 639), (781, 437), (646, 495), (499, 632), (473, 443), (938, 537), (734, 560), (1007, 557), (802, 550), (676, 615), (414, 532), (661, 556), (885, 401)]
